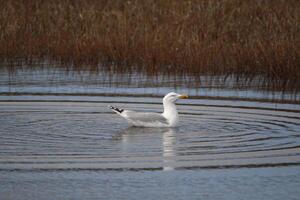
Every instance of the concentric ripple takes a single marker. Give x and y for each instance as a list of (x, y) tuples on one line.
[(86, 135)]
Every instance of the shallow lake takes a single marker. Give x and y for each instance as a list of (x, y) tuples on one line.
[(59, 140)]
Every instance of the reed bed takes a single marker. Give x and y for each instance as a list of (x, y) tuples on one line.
[(246, 39)]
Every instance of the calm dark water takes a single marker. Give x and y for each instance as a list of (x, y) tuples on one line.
[(58, 146)]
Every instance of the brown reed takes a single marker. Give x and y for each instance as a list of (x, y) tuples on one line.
[(242, 38)]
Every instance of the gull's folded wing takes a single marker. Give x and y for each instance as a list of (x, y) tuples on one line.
[(144, 117)]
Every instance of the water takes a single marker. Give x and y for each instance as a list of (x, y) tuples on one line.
[(87, 135), (58, 82), (217, 184), (59, 145)]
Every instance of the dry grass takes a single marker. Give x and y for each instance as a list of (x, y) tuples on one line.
[(245, 38)]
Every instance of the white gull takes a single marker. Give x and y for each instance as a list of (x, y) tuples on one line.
[(169, 118)]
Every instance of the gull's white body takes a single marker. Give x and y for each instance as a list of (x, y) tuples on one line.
[(169, 118)]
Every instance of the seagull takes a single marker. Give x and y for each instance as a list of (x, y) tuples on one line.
[(169, 118)]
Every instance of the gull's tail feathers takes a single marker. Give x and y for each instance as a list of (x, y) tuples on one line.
[(116, 110)]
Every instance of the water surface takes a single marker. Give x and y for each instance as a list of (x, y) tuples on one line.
[(60, 141), (233, 184), (87, 135)]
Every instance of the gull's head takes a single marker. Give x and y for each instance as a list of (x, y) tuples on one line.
[(172, 97)]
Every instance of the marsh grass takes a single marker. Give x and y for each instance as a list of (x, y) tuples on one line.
[(250, 40)]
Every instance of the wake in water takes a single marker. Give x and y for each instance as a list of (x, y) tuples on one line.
[(82, 135)]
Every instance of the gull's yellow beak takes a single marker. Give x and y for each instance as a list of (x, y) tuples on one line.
[(183, 96)]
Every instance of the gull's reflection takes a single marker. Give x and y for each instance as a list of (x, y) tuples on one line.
[(168, 150), (155, 145)]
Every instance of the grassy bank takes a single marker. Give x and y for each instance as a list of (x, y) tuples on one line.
[(244, 38)]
